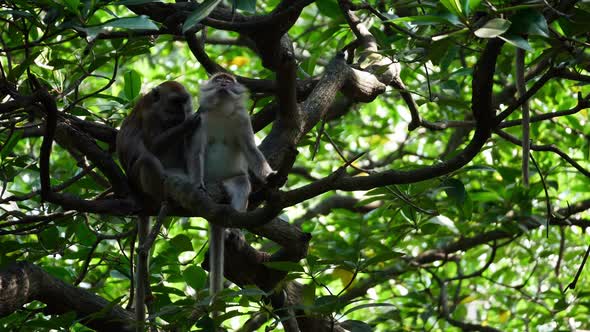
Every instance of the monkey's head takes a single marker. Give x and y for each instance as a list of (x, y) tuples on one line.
[(222, 89), (168, 101)]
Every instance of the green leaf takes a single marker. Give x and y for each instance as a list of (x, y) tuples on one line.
[(130, 23), (470, 5), (308, 294), (529, 21), (444, 222), (247, 5), (132, 84), (578, 23), (50, 238), (84, 234), (19, 69), (454, 6), (367, 305), (383, 257), (493, 28), (455, 190), (329, 8), (422, 20), (517, 41), (356, 326), (134, 2), (181, 243), (195, 277), (133, 23), (72, 5), (202, 11), (12, 142), (326, 304)]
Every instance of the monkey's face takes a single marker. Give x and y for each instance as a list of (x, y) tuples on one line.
[(171, 99), (222, 89)]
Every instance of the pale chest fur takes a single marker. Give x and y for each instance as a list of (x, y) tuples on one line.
[(223, 154)]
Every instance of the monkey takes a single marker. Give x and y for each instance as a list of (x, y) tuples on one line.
[(150, 143), (222, 150)]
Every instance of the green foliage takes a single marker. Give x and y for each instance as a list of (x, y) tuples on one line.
[(469, 246)]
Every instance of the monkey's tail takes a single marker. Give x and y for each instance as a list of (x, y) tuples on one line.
[(141, 274), (216, 255)]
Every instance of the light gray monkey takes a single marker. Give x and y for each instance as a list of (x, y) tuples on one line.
[(222, 150)]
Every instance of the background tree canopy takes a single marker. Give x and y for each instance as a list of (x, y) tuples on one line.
[(408, 196)]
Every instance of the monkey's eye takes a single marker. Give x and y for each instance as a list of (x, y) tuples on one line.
[(156, 93)]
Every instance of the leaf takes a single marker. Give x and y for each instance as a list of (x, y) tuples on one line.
[(578, 23), (19, 69), (133, 23), (455, 190), (422, 20), (493, 28), (247, 5), (483, 168), (383, 257), (356, 326), (444, 222), (454, 6), (343, 274), (470, 5), (367, 305), (132, 84), (50, 238), (84, 234), (195, 277), (202, 11), (134, 2), (329, 8), (308, 294), (504, 316), (181, 243), (327, 304), (529, 21), (9, 146), (72, 5), (517, 41)]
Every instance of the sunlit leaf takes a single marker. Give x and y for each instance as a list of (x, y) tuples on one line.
[(454, 6), (493, 28), (202, 11), (195, 277), (132, 84)]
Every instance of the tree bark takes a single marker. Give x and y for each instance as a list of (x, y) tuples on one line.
[(23, 282)]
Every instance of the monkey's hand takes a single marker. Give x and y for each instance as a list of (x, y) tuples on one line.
[(266, 172), (275, 180)]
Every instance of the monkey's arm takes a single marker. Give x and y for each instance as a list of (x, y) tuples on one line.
[(256, 161), (171, 136)]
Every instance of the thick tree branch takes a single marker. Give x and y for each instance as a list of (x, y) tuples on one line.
[(21, 283), (482, 108)]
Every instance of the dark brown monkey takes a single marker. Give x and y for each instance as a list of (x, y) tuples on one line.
[(150, 143)]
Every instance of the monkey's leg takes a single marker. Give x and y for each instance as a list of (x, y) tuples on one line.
[(143, 229), (238, 188)]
